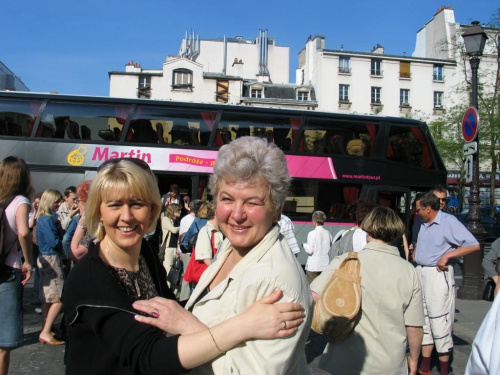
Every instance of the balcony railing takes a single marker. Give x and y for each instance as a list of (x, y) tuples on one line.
[(344, 70), (376, 73)]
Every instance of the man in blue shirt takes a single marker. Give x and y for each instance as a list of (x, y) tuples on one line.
[(441, 238)]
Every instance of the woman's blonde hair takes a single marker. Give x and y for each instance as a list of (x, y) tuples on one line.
[(172, 208), (47, 200), (382, 223), (121, 179), (202, 212)]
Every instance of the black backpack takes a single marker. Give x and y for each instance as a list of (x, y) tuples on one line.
[(4, 249)]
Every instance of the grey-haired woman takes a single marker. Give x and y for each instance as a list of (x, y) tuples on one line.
[(249, 185)]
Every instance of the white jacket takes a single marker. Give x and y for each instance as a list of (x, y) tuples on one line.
[(267, 267)]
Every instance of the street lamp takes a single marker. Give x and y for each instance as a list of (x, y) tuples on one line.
[(472, 283)]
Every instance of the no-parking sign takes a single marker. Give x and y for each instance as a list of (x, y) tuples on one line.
[(470, 124)]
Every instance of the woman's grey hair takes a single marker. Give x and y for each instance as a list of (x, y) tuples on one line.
[(247, 158), (319, 217)]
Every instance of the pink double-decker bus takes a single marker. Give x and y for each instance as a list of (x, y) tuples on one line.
[(334, 158)]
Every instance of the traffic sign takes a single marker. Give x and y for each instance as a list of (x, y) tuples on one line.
[(468, 168), (470, 124), (470, 148)]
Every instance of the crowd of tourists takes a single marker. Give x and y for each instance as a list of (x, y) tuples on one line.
[(152, 284)]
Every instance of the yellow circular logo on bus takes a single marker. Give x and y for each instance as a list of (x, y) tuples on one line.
[(77, 157)]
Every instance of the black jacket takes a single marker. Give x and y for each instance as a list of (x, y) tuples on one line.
[(103, 336)]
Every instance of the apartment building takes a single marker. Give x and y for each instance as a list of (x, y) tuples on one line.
[(224, 70)]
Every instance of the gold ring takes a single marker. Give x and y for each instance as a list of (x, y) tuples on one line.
[(284, 324)]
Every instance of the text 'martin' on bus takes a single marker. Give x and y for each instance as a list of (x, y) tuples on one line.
[(334, 159)]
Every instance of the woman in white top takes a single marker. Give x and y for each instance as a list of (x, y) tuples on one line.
[(317, 247), (15, 188)]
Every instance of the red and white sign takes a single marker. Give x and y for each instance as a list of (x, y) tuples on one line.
[(470, 124)]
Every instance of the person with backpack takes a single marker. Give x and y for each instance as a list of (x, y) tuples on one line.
[(392, 313), (189, 241), (208, 241), (16, 263), (182, 252)]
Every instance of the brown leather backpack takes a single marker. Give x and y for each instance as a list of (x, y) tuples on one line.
[(338, 310)]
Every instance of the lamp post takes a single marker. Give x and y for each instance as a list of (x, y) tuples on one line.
[(472, 283)]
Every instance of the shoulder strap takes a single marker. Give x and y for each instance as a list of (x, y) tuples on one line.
[(4, 206), (212, 241), (350, 267), (7, 202)]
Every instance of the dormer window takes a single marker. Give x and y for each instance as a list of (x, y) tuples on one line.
[(182, 79), (256, 93), (303, 95)]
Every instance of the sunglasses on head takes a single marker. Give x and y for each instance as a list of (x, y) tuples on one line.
[(139, 162)]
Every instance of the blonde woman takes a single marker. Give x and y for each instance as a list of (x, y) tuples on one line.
[(49, 235)]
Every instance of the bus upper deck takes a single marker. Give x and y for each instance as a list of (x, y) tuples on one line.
[(333, 158)]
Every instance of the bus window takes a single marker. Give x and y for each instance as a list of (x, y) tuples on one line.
[(165, 125), (338, 138), (18, 117), (332, 198), (408, 145), (67, 120), (280, 130)]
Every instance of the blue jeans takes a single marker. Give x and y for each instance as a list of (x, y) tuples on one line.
[(11, 308)]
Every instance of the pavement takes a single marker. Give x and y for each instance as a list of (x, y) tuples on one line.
[(36, 358)]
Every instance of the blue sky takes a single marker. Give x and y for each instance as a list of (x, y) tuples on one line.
[(70, 47)]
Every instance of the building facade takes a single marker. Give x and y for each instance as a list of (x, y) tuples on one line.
[(225, 70), (441, 37), (375, 83)]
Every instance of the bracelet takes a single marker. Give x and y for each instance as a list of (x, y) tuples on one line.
[(81, 227), (29, 269), (215, 342)]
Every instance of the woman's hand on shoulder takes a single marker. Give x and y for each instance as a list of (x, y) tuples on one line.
[(167, 315), (266, 319)]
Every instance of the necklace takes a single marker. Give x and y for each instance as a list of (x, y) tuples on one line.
[(137, 289), (132, 275)]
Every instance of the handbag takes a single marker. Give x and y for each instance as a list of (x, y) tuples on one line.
[(338, 309), (192, 242), (489, 290), (195, 267), (174, 276)]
